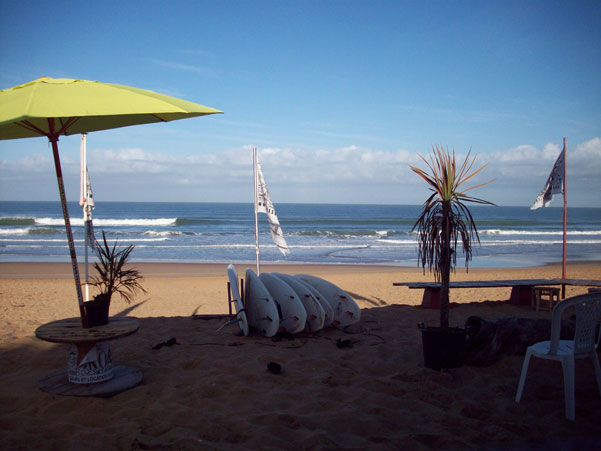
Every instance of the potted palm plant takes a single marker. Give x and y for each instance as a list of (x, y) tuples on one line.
[(444, 220), (113, 278)]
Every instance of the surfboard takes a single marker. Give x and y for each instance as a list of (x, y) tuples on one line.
[(315, 312), (232, 275), (329, 313), (261, 310), (346, 310), (293, 315)]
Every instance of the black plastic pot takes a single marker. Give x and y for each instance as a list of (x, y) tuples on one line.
[(443, 348), (97, 313)]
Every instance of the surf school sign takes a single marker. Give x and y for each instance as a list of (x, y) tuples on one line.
[(96, 366)]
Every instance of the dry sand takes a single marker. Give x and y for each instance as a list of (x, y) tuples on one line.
[(213, 390)]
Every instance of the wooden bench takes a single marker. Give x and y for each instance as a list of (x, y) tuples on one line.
[(548, 295), (521, 289)]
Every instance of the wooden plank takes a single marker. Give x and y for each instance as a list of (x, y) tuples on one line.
[(580, 282), (501, 283), (416, 284), (521, 289), (124, 378)]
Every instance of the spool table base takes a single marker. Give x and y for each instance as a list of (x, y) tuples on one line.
[(124, 378)]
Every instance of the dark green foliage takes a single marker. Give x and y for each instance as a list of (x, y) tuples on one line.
[(445, 219), (113, 276)]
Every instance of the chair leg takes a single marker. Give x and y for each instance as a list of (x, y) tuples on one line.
[(597, 370), (518, 395), (567, 366)]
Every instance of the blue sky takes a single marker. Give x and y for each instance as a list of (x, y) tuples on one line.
[(338, 96)]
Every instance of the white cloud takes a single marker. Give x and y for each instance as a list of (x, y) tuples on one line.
[(180, 66), (345, 174), (586, 159), (583, 159), (347, 165), (130, 161), (30, 164)]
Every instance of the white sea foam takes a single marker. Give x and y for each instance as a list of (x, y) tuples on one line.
[(199, 246), (36, 240), (250, 245), (541, 233), (20, 231), (316, 234), (36, 246), (145, 240), (397, 241), (146, 222), (537, 242), (164, 234)]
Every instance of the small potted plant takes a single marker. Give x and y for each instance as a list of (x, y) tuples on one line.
[(113, 278), (444, 220)]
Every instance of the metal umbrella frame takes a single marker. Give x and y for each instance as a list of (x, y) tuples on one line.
[(53, 107)]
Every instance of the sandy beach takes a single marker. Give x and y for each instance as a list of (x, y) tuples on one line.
[(213, 390)]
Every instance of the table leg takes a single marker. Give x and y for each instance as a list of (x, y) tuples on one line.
[(90, 363), (521, 295), (431, 298), (83, 349), (125, 378)]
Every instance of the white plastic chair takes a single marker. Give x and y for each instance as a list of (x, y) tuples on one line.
[(588, 316)]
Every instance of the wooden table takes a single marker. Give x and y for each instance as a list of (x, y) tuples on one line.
[(69, 331), (521, 289)]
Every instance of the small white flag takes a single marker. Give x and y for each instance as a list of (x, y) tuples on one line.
[(86, 199), (263, 204), (88, 224), (554, 185)]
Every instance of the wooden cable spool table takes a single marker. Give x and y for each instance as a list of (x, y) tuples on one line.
[(90, 369)]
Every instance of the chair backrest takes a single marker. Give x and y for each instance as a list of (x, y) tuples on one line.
[(588, 316)]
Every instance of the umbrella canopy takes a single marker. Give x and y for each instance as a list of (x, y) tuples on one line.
[(81, 106), (53, 107)]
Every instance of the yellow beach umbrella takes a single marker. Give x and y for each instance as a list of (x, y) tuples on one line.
[(53, 107)]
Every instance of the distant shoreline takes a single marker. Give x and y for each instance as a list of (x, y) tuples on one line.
[(75, 202), (34, 270)]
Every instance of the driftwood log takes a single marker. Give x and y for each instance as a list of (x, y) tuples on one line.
[(491, 338)]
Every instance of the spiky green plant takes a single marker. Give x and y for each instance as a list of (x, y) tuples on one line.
[(445, 218), (113, 276)]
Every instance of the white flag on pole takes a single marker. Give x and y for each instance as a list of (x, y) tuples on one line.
[(86, 199), (263, 204), (554, 185)]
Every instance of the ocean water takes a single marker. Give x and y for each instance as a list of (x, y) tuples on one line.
[(316, 233)]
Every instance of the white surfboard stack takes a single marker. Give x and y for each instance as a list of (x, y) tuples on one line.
[(275, 302)]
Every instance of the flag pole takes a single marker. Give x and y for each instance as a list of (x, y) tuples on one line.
[(256, 207), (565, 218)]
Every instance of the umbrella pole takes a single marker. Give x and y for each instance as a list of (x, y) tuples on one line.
[(83, 201), (61, 190)]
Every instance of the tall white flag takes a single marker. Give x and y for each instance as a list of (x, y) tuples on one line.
[(263, 204), (554, 185), (86, 199)]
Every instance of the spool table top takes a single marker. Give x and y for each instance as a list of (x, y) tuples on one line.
[(70, 331)]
